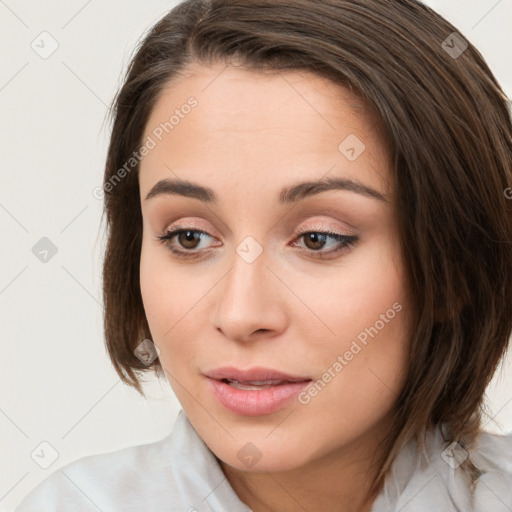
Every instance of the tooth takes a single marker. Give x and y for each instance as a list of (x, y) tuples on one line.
[(259, 382), (247, 387)]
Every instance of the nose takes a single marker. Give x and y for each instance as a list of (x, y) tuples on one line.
[(250, 300)]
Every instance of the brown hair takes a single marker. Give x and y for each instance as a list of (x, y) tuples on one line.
[(450, 133)]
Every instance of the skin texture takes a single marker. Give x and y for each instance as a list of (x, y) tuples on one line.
[(250, 135)]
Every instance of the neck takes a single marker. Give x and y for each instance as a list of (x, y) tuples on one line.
[(338, 481)]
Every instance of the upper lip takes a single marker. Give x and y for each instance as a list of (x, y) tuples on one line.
[(257, 373)]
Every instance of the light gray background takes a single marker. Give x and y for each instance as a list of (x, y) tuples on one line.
[(56, 382)]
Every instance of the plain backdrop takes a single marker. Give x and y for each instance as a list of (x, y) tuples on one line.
[(57, 386)]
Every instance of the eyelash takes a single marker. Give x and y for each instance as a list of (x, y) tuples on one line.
[(345, 242)]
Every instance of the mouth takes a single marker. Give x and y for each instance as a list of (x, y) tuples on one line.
[(254, 392), (256, 376), (256, 385)]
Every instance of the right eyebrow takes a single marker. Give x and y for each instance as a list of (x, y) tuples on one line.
[(182, 188)]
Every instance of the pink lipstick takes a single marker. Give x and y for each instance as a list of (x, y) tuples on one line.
[(256, 391)]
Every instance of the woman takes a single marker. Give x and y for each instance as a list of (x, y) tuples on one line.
[(309, 237)]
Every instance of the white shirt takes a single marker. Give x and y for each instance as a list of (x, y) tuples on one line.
[(180, 474)]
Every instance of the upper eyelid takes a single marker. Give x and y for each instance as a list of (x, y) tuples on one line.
[(175, 230), (320, 225), (323, 229)]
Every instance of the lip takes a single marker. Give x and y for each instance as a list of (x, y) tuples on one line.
[(252, 374), (254, 402)]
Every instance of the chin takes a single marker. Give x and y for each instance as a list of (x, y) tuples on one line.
[(260, 457)]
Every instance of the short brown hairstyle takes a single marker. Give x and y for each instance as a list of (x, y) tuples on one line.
[(449, 130)]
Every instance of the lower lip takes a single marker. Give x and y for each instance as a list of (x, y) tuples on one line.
[(255, 402)]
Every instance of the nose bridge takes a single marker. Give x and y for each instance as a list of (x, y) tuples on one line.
[(247, 276), (247, 301)]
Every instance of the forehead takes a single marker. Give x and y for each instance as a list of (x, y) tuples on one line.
[(264, 126)]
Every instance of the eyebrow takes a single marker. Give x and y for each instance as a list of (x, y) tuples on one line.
[(289, 194)]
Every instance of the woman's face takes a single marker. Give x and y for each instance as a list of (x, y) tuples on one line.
[(305, 280)]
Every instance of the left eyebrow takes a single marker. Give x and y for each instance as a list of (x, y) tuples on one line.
[(309, 188), (289, 194)]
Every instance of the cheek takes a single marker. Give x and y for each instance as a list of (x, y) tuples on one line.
[(173, 305), (370, 378), (160, 296), (350, 299), (364, 358), (153, 286)]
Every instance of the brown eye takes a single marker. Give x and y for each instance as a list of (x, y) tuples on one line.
[(189, 239), (184, 243), (314, 241)]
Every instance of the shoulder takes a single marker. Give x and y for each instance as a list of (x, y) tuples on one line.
[(445, 476), (495, 445), (107, 481), (177, 473), (492, 457)]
